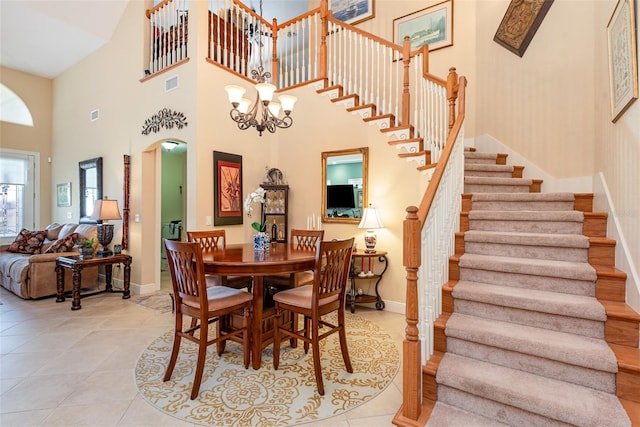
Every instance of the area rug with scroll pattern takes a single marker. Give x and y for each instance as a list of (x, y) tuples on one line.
[(233, 396)]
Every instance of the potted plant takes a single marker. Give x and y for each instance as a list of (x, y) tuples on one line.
[(261, 239), (86, 248)]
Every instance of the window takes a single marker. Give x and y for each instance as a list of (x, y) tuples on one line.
[(17, 192)]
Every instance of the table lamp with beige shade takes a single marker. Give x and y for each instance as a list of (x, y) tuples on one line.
[(105, 210)]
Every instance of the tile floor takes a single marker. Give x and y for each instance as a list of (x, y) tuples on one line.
[(64, 368)]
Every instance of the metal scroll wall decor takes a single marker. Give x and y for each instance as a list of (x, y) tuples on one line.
[(164, 118)]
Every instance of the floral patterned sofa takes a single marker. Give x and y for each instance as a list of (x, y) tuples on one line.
[(27, 266)]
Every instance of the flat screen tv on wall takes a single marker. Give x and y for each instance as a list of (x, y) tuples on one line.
[(340, 197)]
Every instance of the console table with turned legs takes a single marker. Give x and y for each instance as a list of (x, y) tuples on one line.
[(76, 264)]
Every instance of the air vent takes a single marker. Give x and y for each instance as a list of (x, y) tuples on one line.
[(95, 115), (171, 83)]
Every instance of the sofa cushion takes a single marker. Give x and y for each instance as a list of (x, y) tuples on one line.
[(53, 230), (65, 244), (28, 242), (66, 230)]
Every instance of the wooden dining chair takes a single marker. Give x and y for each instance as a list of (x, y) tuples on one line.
[(300, 240), (213, 240), (204, 305), (324, 295)]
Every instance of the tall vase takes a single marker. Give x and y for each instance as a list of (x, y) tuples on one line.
[(261, 241)]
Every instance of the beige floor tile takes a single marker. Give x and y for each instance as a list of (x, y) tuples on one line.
[(103, 387), (142, 414), (94, 415), (39, 392), (18, 365), (24, 418), (9, 343)]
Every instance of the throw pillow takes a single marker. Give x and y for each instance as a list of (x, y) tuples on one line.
[(28, 242), (65, 244)]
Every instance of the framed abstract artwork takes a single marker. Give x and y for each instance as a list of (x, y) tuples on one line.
[(227, 186), (352, 11), (623, 63), (64, 194), (432, 25), (520, 23)]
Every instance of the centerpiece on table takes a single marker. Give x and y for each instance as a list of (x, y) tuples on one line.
[(261, 239)]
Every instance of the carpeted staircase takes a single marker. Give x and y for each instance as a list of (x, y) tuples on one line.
[(523, 339)]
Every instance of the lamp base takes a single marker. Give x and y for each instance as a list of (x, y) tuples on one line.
[(105, 234), (370, 241)]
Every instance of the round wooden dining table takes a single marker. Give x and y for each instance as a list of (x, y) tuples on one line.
[(243, 260)]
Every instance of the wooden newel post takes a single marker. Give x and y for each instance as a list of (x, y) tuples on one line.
[(452, 95), (406, 98), (324, 12), (412, 372)]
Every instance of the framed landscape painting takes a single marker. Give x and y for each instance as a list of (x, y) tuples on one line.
[(623, 63), (352, 11), (227, 185), (64, 194), (432, 25)]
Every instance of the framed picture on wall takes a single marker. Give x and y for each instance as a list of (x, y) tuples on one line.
[(64, 194), (227, 187), (520, 23), (623, 64), (432, 25), (352, 11)]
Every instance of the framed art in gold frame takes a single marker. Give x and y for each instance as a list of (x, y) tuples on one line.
[(520, 23), (352, 11), (432, 25), (623, 64)]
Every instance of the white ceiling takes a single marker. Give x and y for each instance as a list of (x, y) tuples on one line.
[(45, 37)]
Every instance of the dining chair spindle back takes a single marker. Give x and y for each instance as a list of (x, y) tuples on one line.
[(204, 305), (325, 295)]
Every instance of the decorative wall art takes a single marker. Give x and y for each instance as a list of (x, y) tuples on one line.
[(623, 63), (164, 118), (432, 25), (64, 194), (352, 11), (520, 23), (227, 185)]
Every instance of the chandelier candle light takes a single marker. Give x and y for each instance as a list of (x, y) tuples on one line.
[(264, 115)]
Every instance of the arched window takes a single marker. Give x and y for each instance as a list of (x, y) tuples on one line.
[(13, 108)]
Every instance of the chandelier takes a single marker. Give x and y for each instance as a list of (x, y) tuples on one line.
[(265, 113)]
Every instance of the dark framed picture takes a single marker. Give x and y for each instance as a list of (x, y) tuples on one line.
[(520, 23), (227, 187), (64, 194), (623, 63), (352, 11), (432, 25)]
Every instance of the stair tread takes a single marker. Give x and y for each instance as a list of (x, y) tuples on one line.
[(492, 180), (524, 197), (574, 216), (486, 167), (570, 403), (549, 268), (563, 347), (479, 155), (531, 299), (620, 310), (446, 416), (528, 239), (628, 357)]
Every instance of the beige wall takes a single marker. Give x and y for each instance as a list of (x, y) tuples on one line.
[(36, 93), (551, 106)]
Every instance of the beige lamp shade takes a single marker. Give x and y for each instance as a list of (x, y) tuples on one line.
[(106, 209)]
